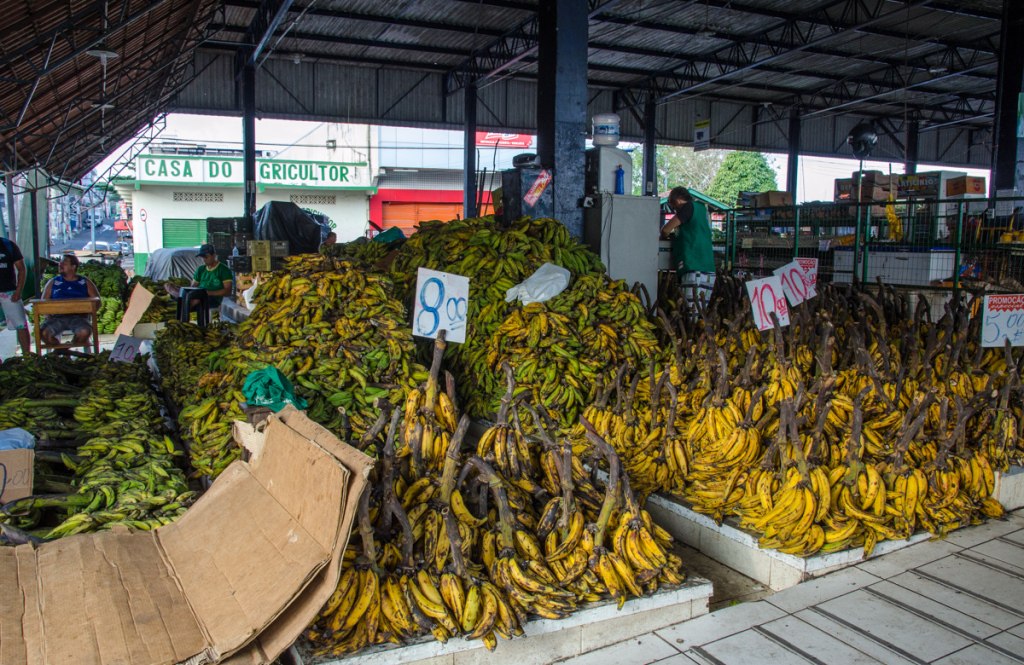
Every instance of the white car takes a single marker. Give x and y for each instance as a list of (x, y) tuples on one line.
[(101, 246)]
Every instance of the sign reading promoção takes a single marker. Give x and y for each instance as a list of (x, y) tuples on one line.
[(270, 172)]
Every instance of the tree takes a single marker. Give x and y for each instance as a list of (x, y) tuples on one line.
[(678, 166), (742, 172)]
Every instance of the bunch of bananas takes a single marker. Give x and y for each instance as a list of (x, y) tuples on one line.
[(558, 349), (371, 252), (111, 282), (162, 308), (457, 544), (332, 327), (39, 417), (862, 422), (31, 376), (187, 354)]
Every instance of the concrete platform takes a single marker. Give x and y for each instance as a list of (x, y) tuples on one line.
[(596, 626), (1009, 490)]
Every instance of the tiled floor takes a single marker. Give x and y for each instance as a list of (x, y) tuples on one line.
[(958, 601)]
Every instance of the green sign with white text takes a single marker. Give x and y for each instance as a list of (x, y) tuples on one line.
[(173, 169)]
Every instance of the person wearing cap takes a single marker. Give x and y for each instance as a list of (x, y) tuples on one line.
[(66, 285), (213, 276)]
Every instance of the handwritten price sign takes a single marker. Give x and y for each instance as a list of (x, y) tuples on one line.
[(1003, 320), (125, 349), (442, 301), (795, 282), (766, 296), (810, 267)]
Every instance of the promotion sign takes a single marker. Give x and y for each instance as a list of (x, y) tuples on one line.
[(766, 296), (794, 283), (1003, 320), (701, 135), (442, 301), (504, 140)]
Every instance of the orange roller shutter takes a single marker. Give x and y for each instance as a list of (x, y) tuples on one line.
[(407, 215)]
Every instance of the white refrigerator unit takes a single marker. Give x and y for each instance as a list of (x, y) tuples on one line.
[(623, 231)]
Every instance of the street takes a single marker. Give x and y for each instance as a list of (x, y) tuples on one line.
[(104, 233)]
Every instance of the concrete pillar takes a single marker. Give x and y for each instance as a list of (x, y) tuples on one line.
[(1008, 153)]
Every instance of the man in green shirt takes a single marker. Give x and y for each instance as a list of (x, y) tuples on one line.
[(691, 248), (213, 276)]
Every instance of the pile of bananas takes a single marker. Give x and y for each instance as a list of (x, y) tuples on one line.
[(334, 328), (460, 544), (31, 376), (371, 252), (162, 308), (111, 281), (123, 471), (39, 417), (863, 421), (558, 349), (187, 354)]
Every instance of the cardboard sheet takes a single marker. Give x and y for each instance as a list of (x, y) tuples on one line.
[(138, 303), (196, 591)]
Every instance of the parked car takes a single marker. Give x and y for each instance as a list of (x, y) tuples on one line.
[(101, 246)]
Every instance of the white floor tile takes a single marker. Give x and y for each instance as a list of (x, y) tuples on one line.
[(1003, 553), (819, 590), (852, 638), (896, 562), (1017, 630), (719, 624), (975, 535), (978, 609), (887, 622), (975, 655), (980, 580), (813, 641), (750, 648), (678, 659), (1016, 536), (933, 608), (641, 650), (1010, 642)]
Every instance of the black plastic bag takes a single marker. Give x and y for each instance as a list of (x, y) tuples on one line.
[(283, 220)]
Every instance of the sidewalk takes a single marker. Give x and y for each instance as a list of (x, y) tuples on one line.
[(956, 601)]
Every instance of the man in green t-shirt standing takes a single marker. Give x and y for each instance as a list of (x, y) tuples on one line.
[(213, 277), (691, 248)]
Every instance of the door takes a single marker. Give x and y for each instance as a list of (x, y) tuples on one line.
[(407, 215), (184, 232)]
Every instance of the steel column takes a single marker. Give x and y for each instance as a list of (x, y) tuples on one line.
[(37, 266), (249, 136), (913, 134), (562, 103), (12, 224), (650, 150), (469, 153), (793, 166), (1008, 152)]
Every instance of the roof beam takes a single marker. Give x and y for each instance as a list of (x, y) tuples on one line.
[(264, 24)]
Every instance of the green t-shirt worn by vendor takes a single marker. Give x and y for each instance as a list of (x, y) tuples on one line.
[(692, 249), (213, 280)]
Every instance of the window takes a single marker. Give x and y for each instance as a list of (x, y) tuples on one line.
[(199, 197), (314, 199)]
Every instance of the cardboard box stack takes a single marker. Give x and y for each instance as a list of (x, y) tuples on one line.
[(874, 186)]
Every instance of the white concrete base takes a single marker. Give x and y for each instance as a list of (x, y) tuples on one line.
[(545, 641), (1009, 489), (739, 550)]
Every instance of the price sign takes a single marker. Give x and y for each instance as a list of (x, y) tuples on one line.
[(442, 301), (794, 283), (1003, 320), (125, 349), (766, 296)]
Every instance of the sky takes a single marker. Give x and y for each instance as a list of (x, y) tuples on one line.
[(816, 176)]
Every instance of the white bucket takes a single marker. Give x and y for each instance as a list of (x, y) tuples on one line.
[(606, 129)]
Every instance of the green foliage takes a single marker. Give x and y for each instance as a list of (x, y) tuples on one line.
[(678, 166), (742, 172)]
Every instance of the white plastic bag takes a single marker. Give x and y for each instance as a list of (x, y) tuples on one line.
[(541, 286), (248, 294)]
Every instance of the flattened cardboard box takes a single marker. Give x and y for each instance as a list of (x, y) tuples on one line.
[(195, 591)]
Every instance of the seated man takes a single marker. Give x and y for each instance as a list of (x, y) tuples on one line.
[(68, 284), (213, 277)]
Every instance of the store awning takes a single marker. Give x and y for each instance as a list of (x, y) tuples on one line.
[(122, 225)]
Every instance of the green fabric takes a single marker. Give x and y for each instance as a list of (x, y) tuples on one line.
[(389, 235), (140, 263), (213, 280), (269, 387), (692, 249)]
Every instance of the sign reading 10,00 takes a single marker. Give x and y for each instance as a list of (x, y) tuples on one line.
[(442, 302)]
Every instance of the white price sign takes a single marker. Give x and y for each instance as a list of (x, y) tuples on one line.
[(442, 302), (810, 267), (1003, 320), (794, 283), (766, 296), (125, 349)]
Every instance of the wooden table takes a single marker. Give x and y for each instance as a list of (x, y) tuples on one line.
[(87, 306)]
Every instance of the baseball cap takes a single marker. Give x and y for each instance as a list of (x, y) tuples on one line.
[(206, 249)]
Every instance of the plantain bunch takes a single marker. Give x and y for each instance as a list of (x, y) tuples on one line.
[(188, 354), (31, 376), (476, 545), (370, 252), (334, 328), (162, 308)]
